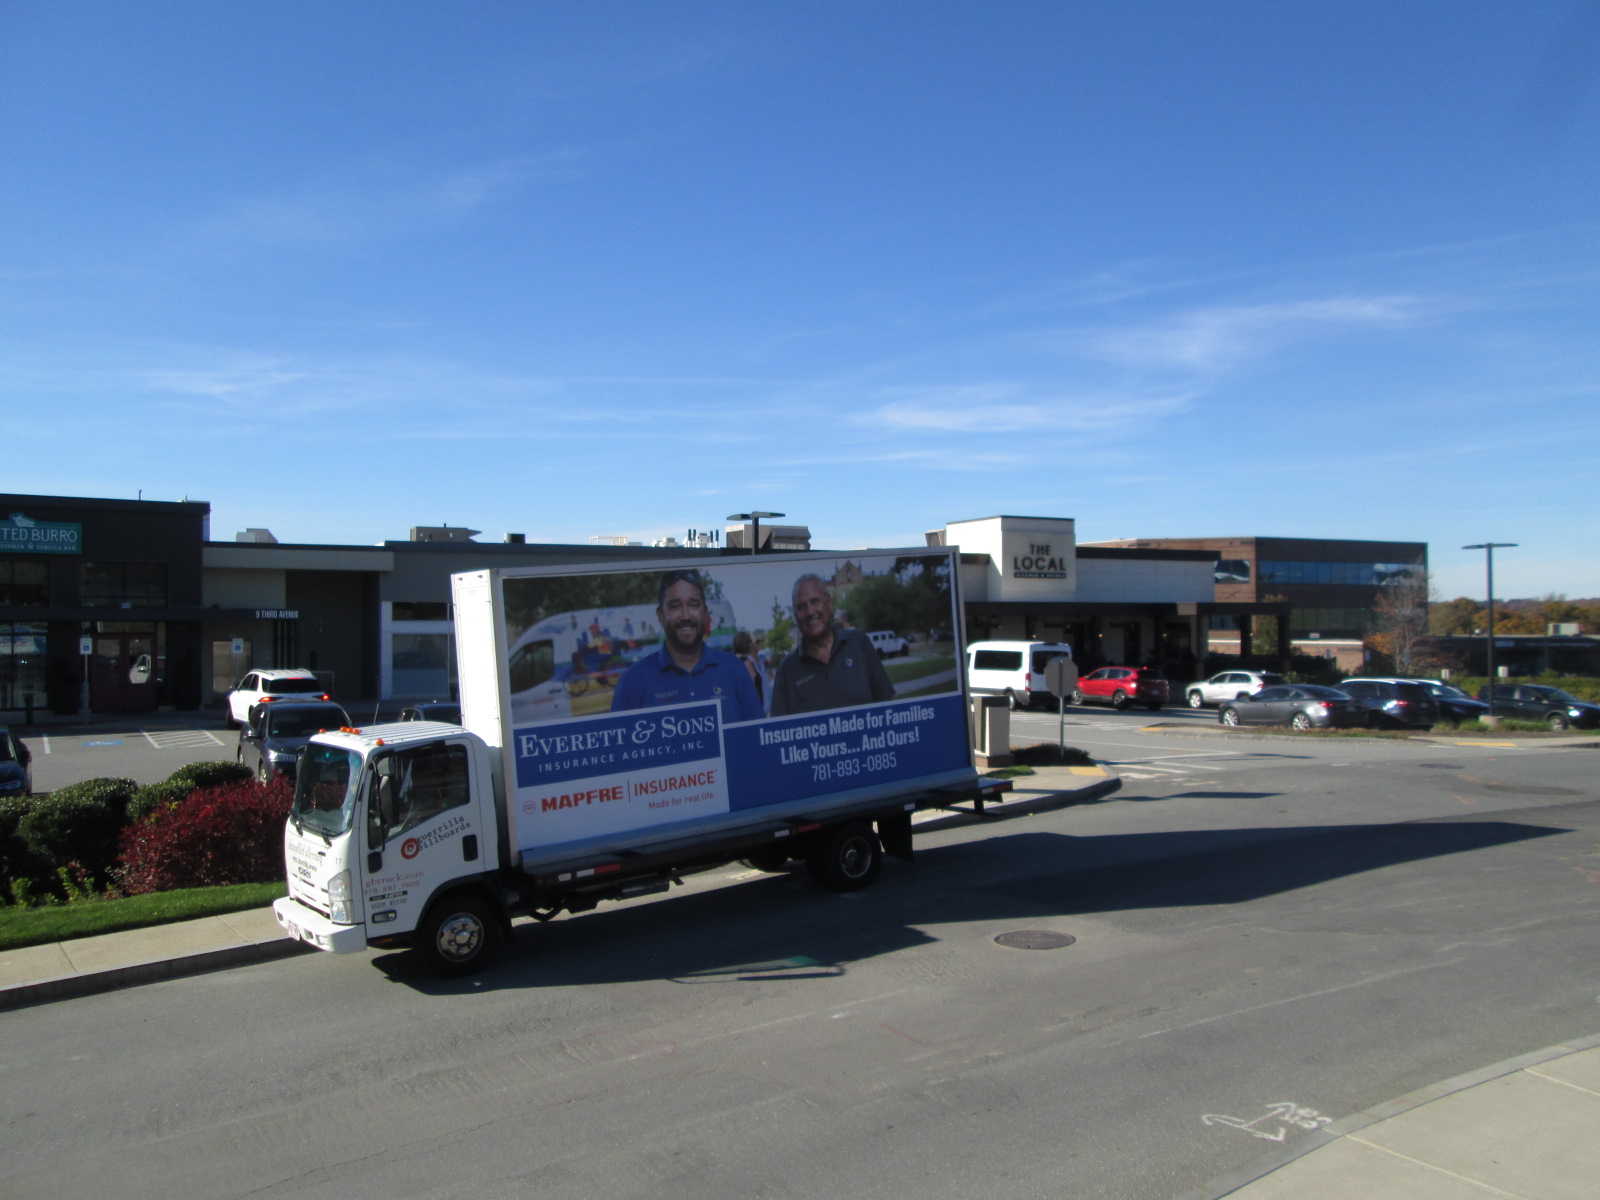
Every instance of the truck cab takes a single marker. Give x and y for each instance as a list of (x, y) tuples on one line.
[(387, 822)]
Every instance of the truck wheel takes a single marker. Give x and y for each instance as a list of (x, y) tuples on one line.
[(458, 936), (848, 858), (771, 859)]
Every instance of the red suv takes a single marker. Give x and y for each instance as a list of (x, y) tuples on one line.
[(1122, 686)]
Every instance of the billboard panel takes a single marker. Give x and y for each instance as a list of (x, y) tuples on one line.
[(696, 694)]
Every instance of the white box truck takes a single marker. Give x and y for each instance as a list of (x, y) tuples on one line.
[(613, 741)]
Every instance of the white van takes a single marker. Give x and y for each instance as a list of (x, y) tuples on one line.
[(1014, 670)]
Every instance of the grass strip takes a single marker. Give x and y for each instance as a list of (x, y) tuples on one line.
[(21, 927)]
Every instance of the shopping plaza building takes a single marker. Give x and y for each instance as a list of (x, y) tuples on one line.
[(129, 605)]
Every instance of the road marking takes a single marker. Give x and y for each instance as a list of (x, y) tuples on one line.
[(180, 739), (1285, 1112)]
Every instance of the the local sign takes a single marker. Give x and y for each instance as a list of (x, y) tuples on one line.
[(1040, 562), (20, 534)]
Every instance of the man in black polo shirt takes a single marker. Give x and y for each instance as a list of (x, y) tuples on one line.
[(831, 668)]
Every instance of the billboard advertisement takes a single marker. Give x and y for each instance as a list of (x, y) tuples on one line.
[(695, 692)]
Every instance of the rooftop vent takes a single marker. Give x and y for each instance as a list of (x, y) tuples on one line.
[(443, 533), (256, 535)]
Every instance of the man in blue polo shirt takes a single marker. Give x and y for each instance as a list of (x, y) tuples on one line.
[(685, 668)]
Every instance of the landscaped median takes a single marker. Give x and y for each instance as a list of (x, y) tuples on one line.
[(107, 855)]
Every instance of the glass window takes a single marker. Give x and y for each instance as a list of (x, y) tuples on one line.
[(415, 786), (24, 583), (124, 585), (532, 663), (22, 663), (421, 664), (419, 610), (997, 660)]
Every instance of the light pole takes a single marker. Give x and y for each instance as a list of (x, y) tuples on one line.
[(1488, 549), (755, 525)]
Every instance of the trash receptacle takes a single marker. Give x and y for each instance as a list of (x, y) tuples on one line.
[(990, 729)]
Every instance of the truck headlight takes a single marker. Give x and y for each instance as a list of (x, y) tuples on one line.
[(339, 895)]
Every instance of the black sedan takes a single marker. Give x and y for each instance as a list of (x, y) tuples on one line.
[(1297, 705), (270, 744), (16, 765), (1547, 705), (1454, 704), (447, 711)]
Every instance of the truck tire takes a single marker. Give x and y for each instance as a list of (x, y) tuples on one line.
[(459, 935), (847, 859), (771, 859)]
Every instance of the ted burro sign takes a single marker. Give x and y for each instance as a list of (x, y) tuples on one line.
[(21, 534)]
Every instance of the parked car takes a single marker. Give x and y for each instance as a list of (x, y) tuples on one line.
[(1297, 705), (1123, 686), (1014, 670), (1454, 704), (1229, 685), (447, 711), (1394, 703), (271, 740), (260, 686), (888, 644), (16, 765), (1532, 702)]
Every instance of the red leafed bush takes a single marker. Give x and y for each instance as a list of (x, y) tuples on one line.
[(232, 833)]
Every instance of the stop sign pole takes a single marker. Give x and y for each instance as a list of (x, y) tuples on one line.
[(1061, 676)]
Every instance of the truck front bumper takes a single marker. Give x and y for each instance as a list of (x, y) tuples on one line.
[(316, 930)]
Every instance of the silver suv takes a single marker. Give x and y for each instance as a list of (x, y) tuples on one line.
[(1229, 685)]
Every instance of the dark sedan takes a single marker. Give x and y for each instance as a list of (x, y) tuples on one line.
[(1297, 705), (1454, 704), (16, 765), (270, 744), (1548, 705)]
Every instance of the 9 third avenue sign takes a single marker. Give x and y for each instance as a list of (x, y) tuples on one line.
[(20, 534)]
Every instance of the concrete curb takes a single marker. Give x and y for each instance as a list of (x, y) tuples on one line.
[(88, 983)]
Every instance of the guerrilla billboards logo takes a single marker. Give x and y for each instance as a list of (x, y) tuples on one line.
[(1038, 563), (24, 535), (414, 846)]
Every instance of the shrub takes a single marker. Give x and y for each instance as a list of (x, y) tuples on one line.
[(78, 824), (154, 796), (19, 866), (232, 833), (209, 774)]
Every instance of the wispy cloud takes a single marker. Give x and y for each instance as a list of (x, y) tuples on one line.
[(1013, 408), (376, 202), (1214, 338)]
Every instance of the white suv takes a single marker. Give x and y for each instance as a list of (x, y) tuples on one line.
[(888, 644), (257, 686), (1229, 685)]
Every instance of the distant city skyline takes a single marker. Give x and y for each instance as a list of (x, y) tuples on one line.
[(1172, 271)]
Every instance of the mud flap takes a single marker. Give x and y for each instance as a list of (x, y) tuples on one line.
[(894, 834)]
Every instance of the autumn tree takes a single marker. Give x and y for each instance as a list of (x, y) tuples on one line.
[(1402, 612)]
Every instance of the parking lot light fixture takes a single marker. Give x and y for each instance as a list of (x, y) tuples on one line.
[(1488, 549)]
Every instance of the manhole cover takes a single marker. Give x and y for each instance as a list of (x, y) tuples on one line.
[(1035, 939)]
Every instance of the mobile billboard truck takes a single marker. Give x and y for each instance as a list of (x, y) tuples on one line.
[(610, 744)]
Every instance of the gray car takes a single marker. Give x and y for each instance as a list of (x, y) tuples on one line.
[(271, 741), (1297, 705)]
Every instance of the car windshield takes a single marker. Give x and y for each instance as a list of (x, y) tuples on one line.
[(5, 746), (1450, 690), (292, 687), (303, 722), (325, 789)]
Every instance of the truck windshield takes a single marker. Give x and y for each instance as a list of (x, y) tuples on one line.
[(325, 789)]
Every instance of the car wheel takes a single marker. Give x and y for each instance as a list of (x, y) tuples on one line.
[(263, 775), (1011, 701), (458, 936), (1119, 699), (1301, 721), (1196, 700), (1076, 697), (1229, 716), (1557, 721), (848, 858)]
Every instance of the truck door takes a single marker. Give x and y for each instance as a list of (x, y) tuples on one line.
[(423, 830)]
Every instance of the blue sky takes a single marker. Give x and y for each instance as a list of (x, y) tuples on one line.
[(1176, 269)]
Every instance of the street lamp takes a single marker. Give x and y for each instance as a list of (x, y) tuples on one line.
[(1488, 549), (755, 525)]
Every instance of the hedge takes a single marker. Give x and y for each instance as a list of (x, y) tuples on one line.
[(232, 833)]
